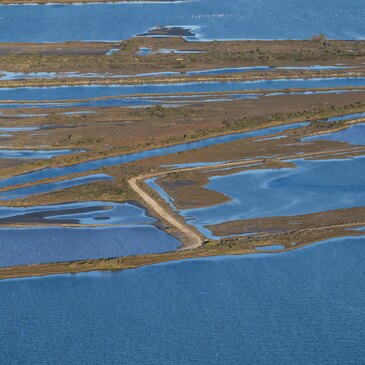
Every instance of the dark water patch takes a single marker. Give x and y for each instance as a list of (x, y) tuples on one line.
[(80, 213), (20, 193), (161, 31)]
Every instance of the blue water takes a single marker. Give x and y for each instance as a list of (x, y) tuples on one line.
[(84, 213), (300, 307), (35, 154), (6, 75), (166, 100), (18, 129), (54, 172), (209, 19), (346, 117), (23, 246), (270, 248), (96, 91), (313, 186), (220, 71), (20, 193), (152, 184), (361, 229), (354, 134)]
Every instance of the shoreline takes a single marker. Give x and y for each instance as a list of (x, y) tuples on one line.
[(200, 248), (133, 262)]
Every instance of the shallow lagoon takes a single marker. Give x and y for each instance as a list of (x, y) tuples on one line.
[(313, 186), (209, 19), (300, 307)]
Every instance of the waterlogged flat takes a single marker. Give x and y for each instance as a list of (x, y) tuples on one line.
[(307, 304), (313, 186), (55, 172), (35, 154), (207, 19), (6, 75), (20, 193), (96, 91), (18, 129)]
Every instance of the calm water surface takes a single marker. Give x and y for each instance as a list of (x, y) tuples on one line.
[(301, 307), (24, 246), (117, 230), (209, 19), (96, 91), (313, 186)]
